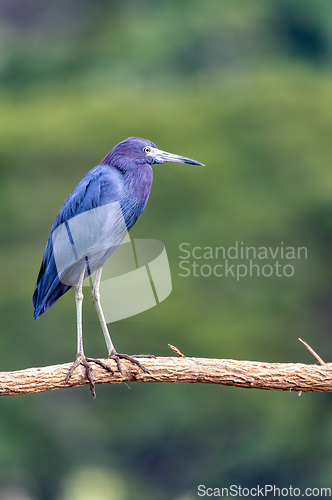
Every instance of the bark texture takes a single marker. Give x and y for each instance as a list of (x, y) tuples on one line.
[(247, 374)]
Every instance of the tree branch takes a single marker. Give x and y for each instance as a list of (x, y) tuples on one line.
[(248, 374)]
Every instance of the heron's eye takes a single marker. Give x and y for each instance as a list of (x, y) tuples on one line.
[(147, 149)]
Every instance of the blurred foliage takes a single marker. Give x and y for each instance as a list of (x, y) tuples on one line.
[(244, 87)]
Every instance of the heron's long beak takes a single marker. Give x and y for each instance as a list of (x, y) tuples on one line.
[(162, 157)]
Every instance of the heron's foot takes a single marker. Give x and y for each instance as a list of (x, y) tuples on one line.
[(116, 356), (82, 360)]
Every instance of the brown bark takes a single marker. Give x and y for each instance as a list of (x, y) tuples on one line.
[(248, 374)]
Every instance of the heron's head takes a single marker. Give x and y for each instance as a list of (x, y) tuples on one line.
[(134, 151)]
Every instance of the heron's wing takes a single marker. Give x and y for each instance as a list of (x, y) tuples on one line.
[(102, 187)]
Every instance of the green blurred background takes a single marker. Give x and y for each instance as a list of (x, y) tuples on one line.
[(244, 87)]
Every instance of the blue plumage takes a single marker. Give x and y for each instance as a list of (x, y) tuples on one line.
[(104, 184)]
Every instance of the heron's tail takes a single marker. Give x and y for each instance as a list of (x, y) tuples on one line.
[(49, 288), (42, 302)]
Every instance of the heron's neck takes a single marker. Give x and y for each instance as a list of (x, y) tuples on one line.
[(139, 181)]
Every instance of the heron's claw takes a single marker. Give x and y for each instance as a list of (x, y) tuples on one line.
[(82, 360), (116, 356)]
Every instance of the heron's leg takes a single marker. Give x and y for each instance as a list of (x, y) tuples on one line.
[(79, 303), (112, 354), (80, 357), (96, 301)]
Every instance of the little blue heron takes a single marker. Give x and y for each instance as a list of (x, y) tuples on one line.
[(119, 189)]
